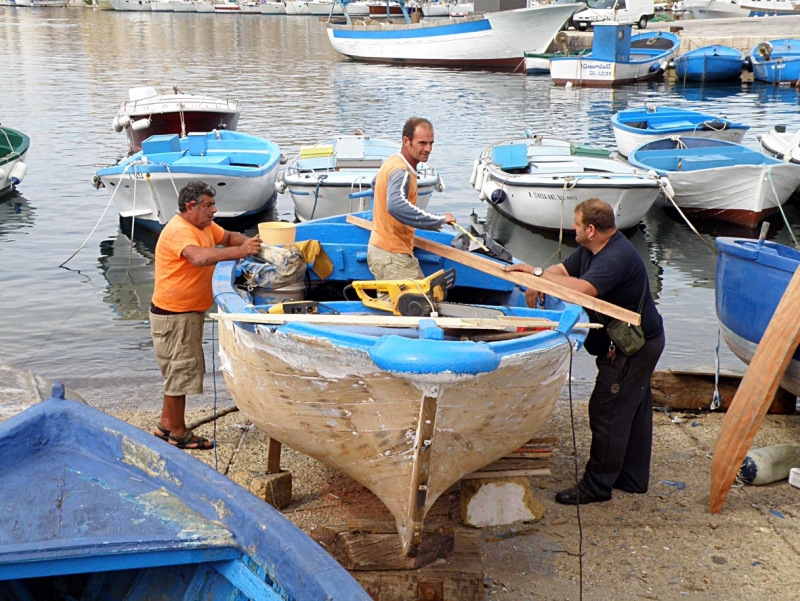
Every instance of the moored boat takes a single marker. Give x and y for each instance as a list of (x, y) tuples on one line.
[(636, 126), (751, 277), (242, 168), (781, 144), (96, 508), (617, 58), (406, 411), (492, 40), (321, 178), (147, 113), (719, 180), (710, 63), (776, 61), (13, 148), (539, 180), (714, 9), (273, 8)]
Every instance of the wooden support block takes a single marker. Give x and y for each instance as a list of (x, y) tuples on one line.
[(499, 501), (275, 489), (372, 545), (274, 457), (458, 577), (693, 391)]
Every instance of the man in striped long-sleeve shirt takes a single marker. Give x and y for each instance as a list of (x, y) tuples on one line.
[(395, 214)]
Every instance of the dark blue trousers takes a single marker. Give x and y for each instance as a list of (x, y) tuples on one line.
[(621, 420)]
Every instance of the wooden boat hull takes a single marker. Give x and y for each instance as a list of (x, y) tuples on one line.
[(744, 309), (710, 63), (558, 178), (777, 61), (104, 510), (320, 186), (14, 147), (405, 415), (146, 191), (637, 126), (719, 180), (495, 40)]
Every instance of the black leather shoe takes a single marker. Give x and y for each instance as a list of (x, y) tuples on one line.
[(571, 496)]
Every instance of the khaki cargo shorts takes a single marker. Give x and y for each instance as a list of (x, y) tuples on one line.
[(392, 266), (178, 345)]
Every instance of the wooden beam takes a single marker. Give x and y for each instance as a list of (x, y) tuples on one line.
[(518, 277), (755, 393), (396, 321)]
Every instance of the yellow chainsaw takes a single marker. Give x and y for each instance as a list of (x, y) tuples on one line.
[(411, 298)]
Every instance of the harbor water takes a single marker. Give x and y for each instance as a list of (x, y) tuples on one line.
[(67, 71)]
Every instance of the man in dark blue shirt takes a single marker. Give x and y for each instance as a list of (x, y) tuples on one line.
[(607, 266)]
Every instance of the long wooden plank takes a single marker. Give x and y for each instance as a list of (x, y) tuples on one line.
[(395, 321), (523, 279), (755, 393)]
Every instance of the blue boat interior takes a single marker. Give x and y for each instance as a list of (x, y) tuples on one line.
[(670, 155), (463, 351), (93, 508)]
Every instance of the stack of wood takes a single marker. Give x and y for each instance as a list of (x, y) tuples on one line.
[(531, 459)]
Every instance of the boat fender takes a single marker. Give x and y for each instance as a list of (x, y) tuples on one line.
[(17, 172), (489, 186), (780, 128), (140, 124), (748, 65), (498, 197), (764, 50), (440, 185), (474, 172), (284, 158), (97, 182), (280, 186), (655, 67), (123, 121), (115, 125), (480, 177), (769, 464)]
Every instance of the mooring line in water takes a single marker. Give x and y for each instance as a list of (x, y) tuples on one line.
[(664, 185), (780, 207)]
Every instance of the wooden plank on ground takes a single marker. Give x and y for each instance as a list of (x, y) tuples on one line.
[(693, 391), (545, 471), (523, 279), (755, 393), (515, 464)]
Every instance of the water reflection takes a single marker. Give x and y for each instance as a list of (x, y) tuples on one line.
[(16, 214), (127, 266)]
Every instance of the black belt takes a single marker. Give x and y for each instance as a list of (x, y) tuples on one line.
[(159, 311)]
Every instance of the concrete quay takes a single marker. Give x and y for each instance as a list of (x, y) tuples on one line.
[(743, 34)]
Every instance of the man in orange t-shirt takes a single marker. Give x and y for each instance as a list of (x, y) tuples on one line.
[(186, 253), (395, 214)]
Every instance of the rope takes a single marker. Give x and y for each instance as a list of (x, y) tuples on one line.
[(685, 218), (10, 145), (214, 380), (183, 123), (780, 207), (101, 216), (716, 400)]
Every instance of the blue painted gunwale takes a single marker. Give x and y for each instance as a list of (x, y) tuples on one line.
[(82, 492), (667, 121), (416, 32), (405, 351), (751, 277), (663, 156), (710, 63), (248, 156), (784, 63)]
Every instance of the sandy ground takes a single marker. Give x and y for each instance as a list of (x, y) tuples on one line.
[(661, 545)]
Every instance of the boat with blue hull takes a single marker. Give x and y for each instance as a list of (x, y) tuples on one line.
[(710, 63), (719, 180), (405, 404), (495, 40), (776, 61), (13, 148), (636, 126), (95, 508), (242, 168), (617, 58), (751, 277)]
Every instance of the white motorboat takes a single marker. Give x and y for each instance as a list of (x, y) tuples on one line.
[(131, 5), (273, 8), (538, 181), (321, 178), (297, 8), (183, 6), (781, 144)]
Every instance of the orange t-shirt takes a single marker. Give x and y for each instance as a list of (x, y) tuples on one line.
[(387, 232), (181, 286)]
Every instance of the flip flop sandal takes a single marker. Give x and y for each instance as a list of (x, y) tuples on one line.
[(164, 433), (190, 439)]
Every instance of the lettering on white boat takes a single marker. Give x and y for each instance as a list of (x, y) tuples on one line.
[(543, 196)]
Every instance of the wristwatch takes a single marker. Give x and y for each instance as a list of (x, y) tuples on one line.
[(538, 271)]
